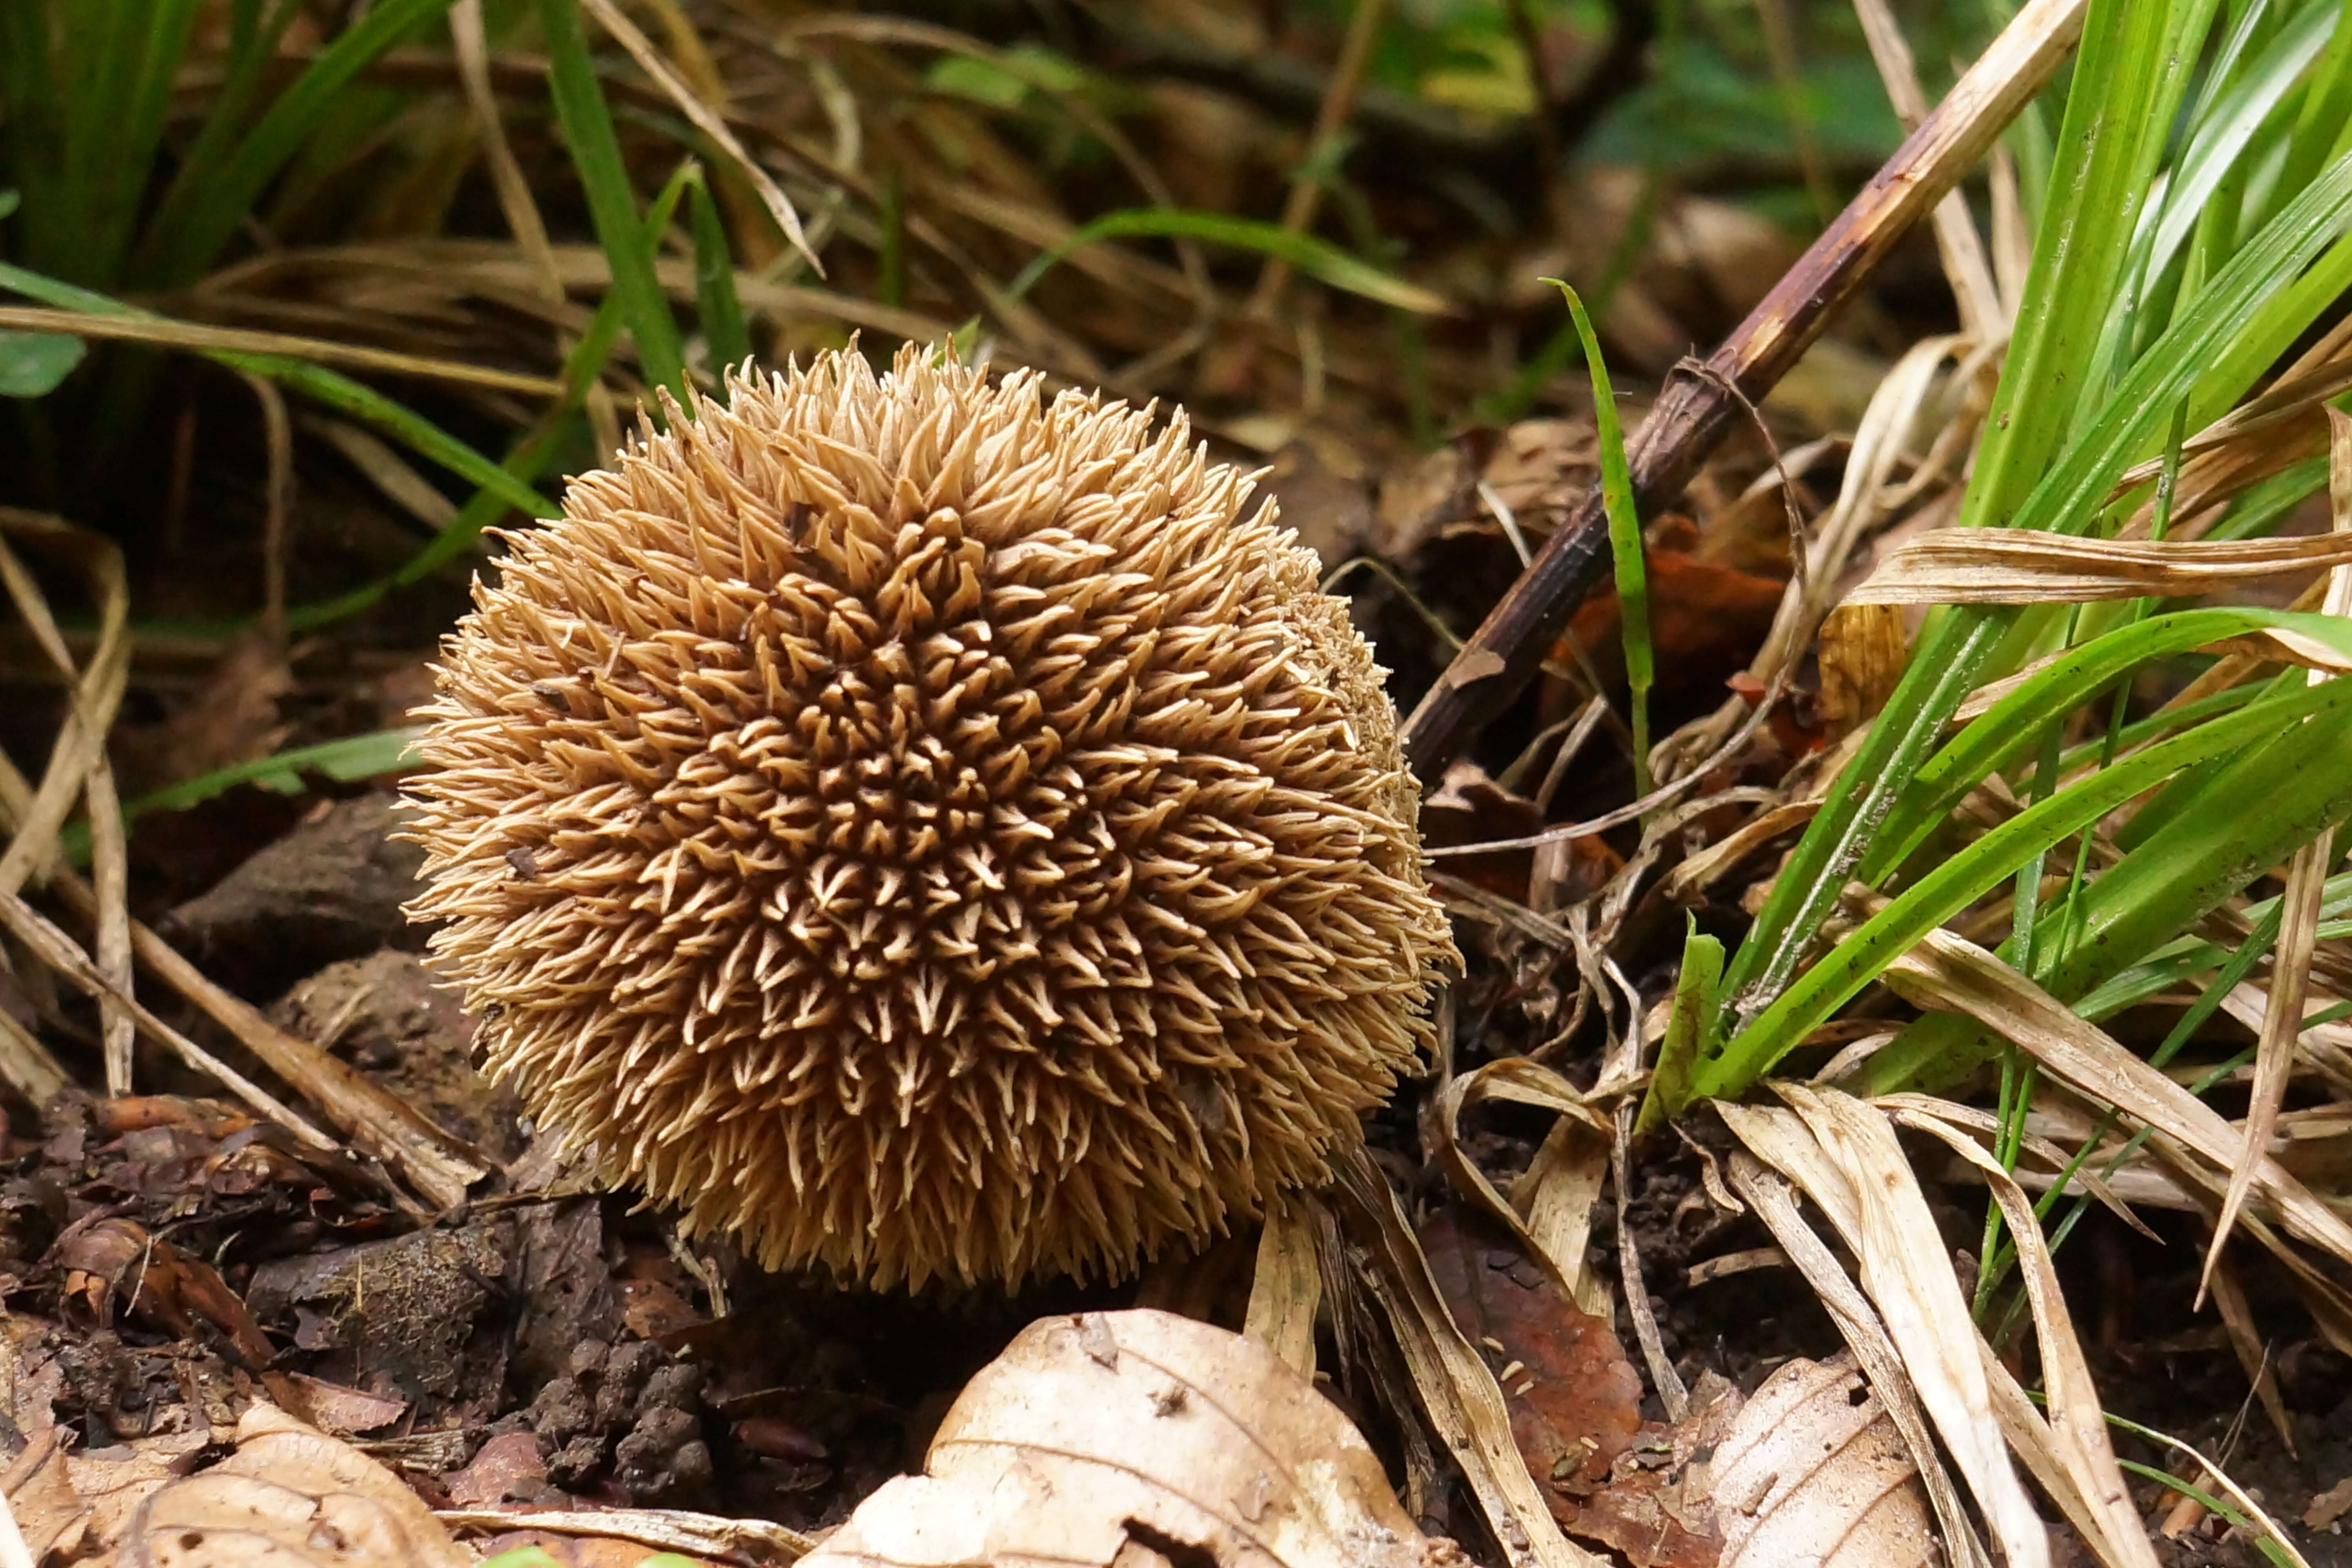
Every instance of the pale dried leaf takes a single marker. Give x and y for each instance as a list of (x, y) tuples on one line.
[(1811, 1475), (1094, 1431), (1769, 1195), (1888, 1224), (2019, 566), (2076, 1423), (289, 1496)]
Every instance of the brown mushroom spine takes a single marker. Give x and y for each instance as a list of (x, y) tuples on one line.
[(964, 841)]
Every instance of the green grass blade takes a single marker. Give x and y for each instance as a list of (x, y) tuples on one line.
[(336, 391), (1624, 540), (1696, 990), (2079, 254), (1319, 259), (2266, 801), (347, 760), (1960, 879), (33, 364), (525, 463), (2219, 142), (724, 330), (587, 126), (2005, 731), (208, 202)]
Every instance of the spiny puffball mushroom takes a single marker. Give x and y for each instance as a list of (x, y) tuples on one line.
[(927, 830)]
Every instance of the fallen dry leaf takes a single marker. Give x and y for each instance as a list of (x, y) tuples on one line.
[(1706, 621), (1813, 1473), (49, 1513), (1575, 1400), (346, 1412), (1862, 650), (1469, 807), (1658, 1508), (289, 1496), (1094, 1433)]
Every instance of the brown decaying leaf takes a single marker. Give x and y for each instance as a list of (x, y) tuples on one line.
[(1813, 1473), (1100, 1430), (1704, 618), (1658, 1509), (1455, 1387), (1863, 649), (1574, 1398)]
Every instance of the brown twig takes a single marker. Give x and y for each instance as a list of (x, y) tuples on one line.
[(1693, 413)]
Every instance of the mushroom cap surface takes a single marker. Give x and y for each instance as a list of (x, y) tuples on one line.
[(927, 830)]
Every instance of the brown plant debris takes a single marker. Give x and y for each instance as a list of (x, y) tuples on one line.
[(929, 829)]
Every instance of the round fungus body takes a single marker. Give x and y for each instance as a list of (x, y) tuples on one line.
[(928, 829)]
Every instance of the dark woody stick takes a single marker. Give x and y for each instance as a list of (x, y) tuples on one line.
[(1695, 409)]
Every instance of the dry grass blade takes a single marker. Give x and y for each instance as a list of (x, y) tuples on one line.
[(1966, 266), (1288, 1288), (1781, 1139), (60, 952), (470, 44), (2307, 880), (1456, 1389), (2238, 1494), (438, 1166), (385, 470), (278, 505), (1843, 1155), (202, 339), (1672, 1393), (1951, 973), (2024, 566), (26, 1065), (1331, 118), (2324, 370), (2031, 1143), (1869, 495), (707, 120), (78, 762), (1858, 1326), (2076, 1421), (1522, 1082), (1557, 1194), (2254, 1354)]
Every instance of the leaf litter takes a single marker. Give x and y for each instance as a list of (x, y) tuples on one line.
[(152, 1325)]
